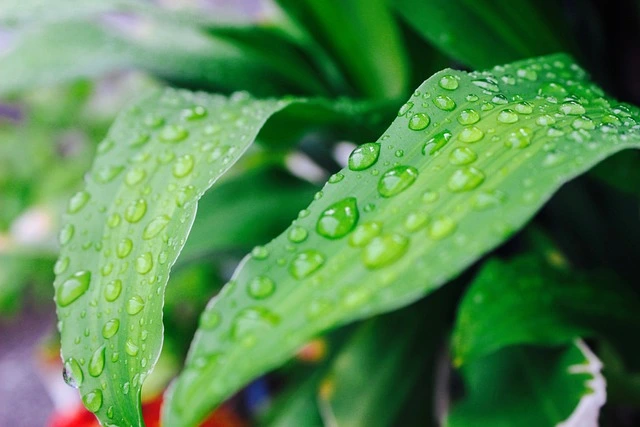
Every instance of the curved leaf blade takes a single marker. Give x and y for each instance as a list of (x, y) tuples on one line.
[(526, 301), (527, 386), (515, 139), (125, 230)]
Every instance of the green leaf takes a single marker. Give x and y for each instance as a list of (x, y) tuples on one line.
[(19, 271), (621, 171), (526, 386), (393, 352), (277, 196), (527, 301), (363, 37), (400, 223), (60, 51), (125, 230), (469, 31)]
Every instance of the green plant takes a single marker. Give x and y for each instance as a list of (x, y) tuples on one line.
[(465, 165)]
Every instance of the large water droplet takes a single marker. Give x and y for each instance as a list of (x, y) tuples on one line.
[(305, 263), (261, 287), (384, 250), (338, 219), (124, 248), (520, 138), (406, 107), (465, 179), (72, 373), (210, 319), (93, 400), (155, 226), (78, 201), (131, 348), (110, 328), (419, 121), (135, 211), (73, 288), (96, 363), (61, 265), (194, 113), (112, 290), (436, 143), (415, 220), (135, 176), (364, 156), (470, 134), (488, 199), (396, 180), (487, 84)]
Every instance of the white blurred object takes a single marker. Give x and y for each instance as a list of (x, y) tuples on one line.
[(35, 226), (342, 151), (303, 167)]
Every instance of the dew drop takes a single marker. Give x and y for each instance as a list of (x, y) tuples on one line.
[(419, 121), (260, 252), (72, 373), (261, 287), (135, 211), (524, 108), (124, 248), (441, 227), (396, 180), (338, 219), (305, 263), (112, 290), (487, 84), (135, 176), (364, 156), (488, 199), (183, 166), (583, 122), (384, 250), (462, 156), (406, 107), (135, 305), (468, 117), (73, 288), (500, 99), (552, 89), (66, 234), (131, 348), (250, 322), (96, 363), (110, 328), (507, 116), (471, 134), (155, 226), (444, 103), (448, 82), (465, 179), (93, 400), (173, 133), (545, 120), (210, 319), (153, 120), (436, 143), (194, 113), (297, 234), (364, 233), (572, 108), (61, 265), (78, 201), (107, 173), (415, 220), (520, 138), (144, 263), (335, 178)]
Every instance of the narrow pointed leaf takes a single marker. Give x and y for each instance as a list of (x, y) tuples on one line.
[(528, 386), (526, 301), (469, 160), (469, 31), (125, 230)]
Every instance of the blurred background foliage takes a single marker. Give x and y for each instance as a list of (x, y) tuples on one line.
[(67, 70)]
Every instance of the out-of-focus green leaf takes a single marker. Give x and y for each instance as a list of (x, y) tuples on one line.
[(56, 52), (526, 301), (19, 272), (268, 193), (621, 172), (364, 38), (124, 231), (468, 161), (392, 352), (471, 31), (527, 386)]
